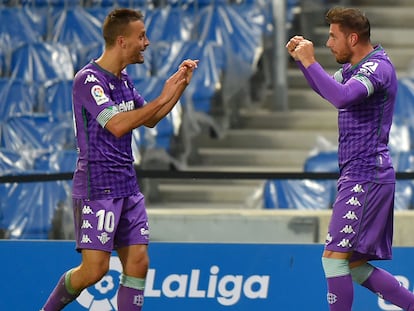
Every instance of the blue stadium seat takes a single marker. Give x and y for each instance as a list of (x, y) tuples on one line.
[(225, 26), (403, 195), (40, 62), (206, 80), (305, 194), (196, 3), (4, 67), (169, 24), (100, 12), (80, 31), (16, 29), (298, 194), (120, 3), (53, 3), (322, 162), (27, 209), (16, 97), (38, 18), (36, 134), (63, 161), (404, 105), (56, 96), (12, 163), (404, 162), (258, 13)]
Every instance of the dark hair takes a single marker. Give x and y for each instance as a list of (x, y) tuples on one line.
[(350, 20), (116, 23)]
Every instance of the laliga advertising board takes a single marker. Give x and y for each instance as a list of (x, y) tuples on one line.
[(191, 276)]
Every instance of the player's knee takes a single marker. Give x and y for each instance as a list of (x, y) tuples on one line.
[(361, 273), (144, 262), (93, 273), (137, 263), (334, 267), (98, 273)]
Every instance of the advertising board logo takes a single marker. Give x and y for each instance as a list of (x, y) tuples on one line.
[(103, 295), (226, 289)]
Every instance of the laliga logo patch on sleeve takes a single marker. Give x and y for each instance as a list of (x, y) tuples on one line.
[(99, 95)]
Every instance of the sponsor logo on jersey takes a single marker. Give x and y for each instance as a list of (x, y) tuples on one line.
[(126, 106)]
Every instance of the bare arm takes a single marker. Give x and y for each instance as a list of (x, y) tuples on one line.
[(188, 66), (151, 113)]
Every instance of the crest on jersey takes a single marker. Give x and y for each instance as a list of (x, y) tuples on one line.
[(99, 95)]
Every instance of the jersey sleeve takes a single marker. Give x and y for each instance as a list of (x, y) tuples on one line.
[(374, 75), (93, 94), (337, 93)]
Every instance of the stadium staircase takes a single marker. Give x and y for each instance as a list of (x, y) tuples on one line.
[(266, 140)]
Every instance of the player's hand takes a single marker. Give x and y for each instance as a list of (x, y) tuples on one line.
[(188, 65), (305, 52), (181, 77), (292, 44)]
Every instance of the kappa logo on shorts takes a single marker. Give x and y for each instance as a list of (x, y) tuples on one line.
[(344, 243), (358, 189), (350, 215), (86, 224), (347, 229), (86, 239), (86, 210), (353, 201)]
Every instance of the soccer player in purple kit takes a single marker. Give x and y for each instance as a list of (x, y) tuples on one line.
[(109, 209), (363, 90)]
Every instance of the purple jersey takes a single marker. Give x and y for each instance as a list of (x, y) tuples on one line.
[(364, 126), (105, 165), (364, 95)]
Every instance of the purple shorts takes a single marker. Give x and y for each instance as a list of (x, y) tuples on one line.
[(362, 221), (110, 223)]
